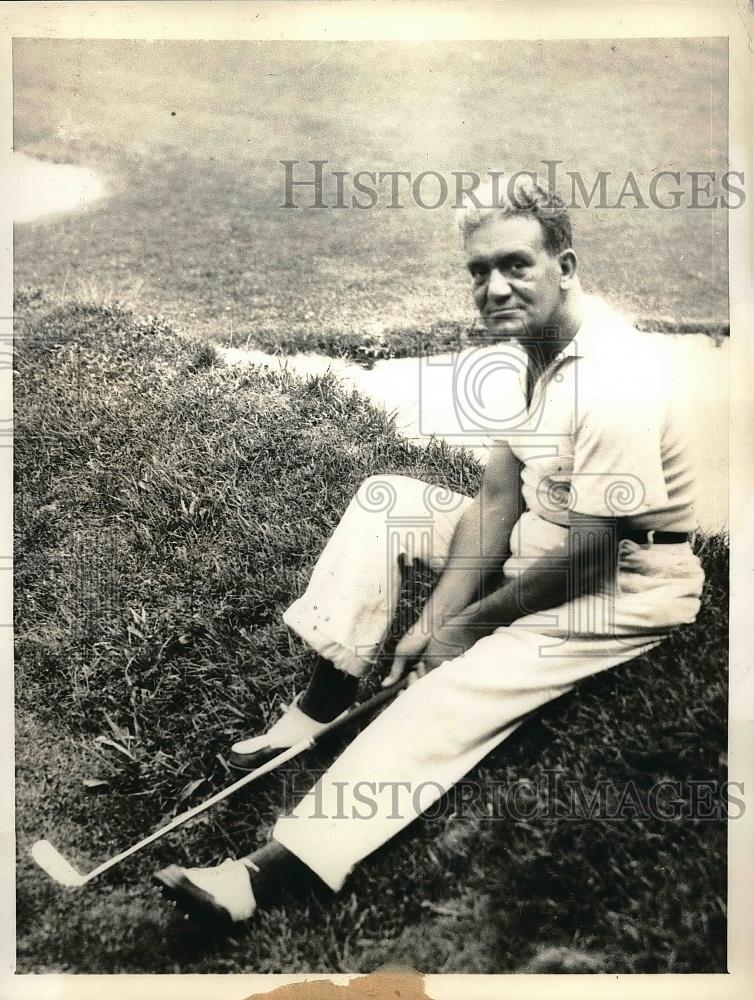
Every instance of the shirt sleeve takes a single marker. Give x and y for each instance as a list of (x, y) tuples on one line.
[(617, 463)]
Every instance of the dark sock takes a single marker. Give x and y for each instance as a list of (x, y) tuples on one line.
[(329, 693), (274, 869)]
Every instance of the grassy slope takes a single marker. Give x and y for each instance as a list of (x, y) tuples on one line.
[(190, 137), (153, 561)]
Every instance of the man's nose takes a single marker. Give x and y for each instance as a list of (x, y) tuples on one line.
[(498, 287)]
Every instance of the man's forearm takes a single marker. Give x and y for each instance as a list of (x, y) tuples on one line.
[(479, 546), (536, 589), (547, 584)]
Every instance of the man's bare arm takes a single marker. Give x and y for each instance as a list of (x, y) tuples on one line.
[(589, 566), (482, 537), (479, 546)]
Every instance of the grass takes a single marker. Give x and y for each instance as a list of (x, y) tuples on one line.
[(190, 135), (153, 560)]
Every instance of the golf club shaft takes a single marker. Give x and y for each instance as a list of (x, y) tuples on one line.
[(285, 755), (270, 765)]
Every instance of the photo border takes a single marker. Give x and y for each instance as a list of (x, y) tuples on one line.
[(433, 20)]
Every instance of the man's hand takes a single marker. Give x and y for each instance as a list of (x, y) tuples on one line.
[(408, 652), (417, 650), (479, 546), (449, 640)]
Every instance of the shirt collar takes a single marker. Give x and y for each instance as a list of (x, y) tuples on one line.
[(573, 349), (597, 316), (584, 343)]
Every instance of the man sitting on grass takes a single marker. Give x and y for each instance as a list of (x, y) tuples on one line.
[(596, 570)]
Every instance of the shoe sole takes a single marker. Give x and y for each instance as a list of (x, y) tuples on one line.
[(197, 904)]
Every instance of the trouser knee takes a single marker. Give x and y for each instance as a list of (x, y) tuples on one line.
[(380, 494)]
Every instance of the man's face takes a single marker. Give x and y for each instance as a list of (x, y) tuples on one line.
[(516, 281)]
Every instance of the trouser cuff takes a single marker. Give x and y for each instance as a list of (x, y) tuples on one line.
[(290, 832), (299, 620)]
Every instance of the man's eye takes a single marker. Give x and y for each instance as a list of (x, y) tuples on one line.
[(518, 268), (478, 274)]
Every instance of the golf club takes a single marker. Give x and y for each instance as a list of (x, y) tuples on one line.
[(52, 862)]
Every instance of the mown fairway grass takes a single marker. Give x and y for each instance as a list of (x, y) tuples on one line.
[(189, 137), (167, 510)]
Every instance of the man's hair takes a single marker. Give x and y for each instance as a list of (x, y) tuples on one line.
[(525, 197)]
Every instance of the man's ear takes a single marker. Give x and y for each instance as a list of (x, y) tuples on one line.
[(568, 262)]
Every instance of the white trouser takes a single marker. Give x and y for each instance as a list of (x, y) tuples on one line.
[(446, 722)]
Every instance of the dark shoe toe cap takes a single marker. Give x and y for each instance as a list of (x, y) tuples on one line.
[(250, 761)]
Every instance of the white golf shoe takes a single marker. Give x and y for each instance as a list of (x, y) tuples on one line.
[(291, 728), (222, 896)]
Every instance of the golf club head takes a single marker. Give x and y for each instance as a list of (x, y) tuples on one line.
[(51, 861)]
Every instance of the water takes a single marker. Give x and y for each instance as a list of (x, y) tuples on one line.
[(41, 188), (420, 394)]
